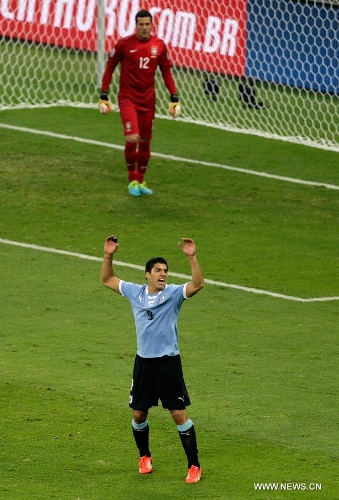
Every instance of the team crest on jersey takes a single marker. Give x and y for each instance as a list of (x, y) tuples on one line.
[(111, 54), (154, 51)]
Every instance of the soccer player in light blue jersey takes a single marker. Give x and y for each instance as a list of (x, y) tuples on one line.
[(157, 372)]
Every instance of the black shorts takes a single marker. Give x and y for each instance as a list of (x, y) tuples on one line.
[(158, 378)]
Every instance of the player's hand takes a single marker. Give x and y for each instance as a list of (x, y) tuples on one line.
[(111, 244), (174, 107), (104, 106), (187, 245)]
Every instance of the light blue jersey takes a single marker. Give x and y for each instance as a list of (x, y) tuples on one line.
[(156, 317)]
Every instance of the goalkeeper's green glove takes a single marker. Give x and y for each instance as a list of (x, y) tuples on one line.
[(105, 106), (174, 107)]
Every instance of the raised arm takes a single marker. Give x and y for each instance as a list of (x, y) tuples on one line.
[(188, 247), (108, 277)]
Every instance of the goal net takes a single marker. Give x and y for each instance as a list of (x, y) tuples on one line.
[(265, 67)]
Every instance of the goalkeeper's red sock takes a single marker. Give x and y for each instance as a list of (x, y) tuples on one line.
[(143, 156), (130, 157)]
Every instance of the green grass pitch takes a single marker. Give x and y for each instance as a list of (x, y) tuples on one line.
[(261, 368)]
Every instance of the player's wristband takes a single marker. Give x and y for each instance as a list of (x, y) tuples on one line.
[(104, 96), (174, 98)]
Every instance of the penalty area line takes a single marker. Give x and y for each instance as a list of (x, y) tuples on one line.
[(177, 275)]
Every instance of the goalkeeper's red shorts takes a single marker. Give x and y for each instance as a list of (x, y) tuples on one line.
[(136, 120)]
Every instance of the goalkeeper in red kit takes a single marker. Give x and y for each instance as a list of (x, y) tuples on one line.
[(139, 56)]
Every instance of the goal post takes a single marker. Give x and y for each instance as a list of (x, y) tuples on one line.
[(101, 59), (265, 67)]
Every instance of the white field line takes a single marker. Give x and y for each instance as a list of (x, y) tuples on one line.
[(177, 275), (219, 126), (173, 158)]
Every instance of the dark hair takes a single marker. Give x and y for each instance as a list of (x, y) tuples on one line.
[(154, 260), (142, 13)]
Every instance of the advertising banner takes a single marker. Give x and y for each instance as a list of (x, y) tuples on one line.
[(294, 43), (200, 34)]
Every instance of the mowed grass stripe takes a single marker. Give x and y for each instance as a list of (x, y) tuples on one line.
[(177, 275), (174, 158)]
